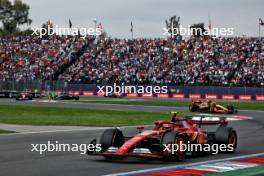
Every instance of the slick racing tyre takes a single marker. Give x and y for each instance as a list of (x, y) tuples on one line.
[(111, 138), (227, 136), (170, 139), (192, 108), (212, 108), (231, 109)]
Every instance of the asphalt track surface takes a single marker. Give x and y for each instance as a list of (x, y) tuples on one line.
[(16, 157)]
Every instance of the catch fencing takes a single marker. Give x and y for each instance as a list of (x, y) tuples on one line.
[(174, 91)]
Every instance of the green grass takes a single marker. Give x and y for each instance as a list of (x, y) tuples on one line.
[(138, 102), (153, 102), (259, 170), (31, 115), (5, 131)]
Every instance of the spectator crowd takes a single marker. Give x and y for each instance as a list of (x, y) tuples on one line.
[(194, 61), (29, 58)]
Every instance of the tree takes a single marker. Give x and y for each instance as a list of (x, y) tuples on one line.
[(25, 32), (198, 29), (173, 26), (12, 15)]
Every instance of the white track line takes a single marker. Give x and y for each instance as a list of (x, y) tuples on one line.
[(51, 131), (70, 130), (185, 165), (181, 107), (110, 104)]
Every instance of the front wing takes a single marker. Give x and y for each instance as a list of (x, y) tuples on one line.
[(137, 155)]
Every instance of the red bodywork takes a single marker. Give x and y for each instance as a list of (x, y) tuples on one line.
[(188, 127), (24, 96)]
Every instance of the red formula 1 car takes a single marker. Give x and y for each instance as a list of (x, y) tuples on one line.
[(152, 143), (212, 107)]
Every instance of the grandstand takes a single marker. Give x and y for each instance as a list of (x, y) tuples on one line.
[(202, 61)]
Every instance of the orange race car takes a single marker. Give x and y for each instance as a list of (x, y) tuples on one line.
[(210, 106)]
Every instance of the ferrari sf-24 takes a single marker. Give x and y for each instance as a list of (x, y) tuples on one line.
[(178, 130)]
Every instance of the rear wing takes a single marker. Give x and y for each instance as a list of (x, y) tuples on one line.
[(208, 120)]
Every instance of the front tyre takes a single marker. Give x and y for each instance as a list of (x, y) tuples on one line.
[(192, 108), (111, 138), (172, 140)]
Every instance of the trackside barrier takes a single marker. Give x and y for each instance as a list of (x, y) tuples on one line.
[(245, 97), (175, 96), (132, 95), (146, 95), (88, 93), (260, 98), (228, 97), (179, 96), (100, 94), (74, 92), (195, 96), (162, 95), (211, 96), (117, 93)]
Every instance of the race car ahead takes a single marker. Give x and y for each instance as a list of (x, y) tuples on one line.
[(114, 95), (152, 143), (212, 107), (65, 96), (24, 96)]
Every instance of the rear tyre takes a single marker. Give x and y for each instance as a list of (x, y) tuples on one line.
[(111, 138), (227, 136), (212, 108), (231, 109), (168, 139), (192, 108)]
